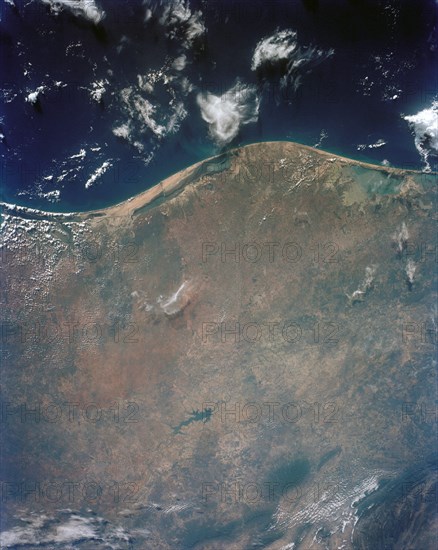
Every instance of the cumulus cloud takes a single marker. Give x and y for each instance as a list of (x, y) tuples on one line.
[(66, 530), (87, 9), (275, 48), (180, 62), (376, 145), (425, 128), (282, 52), (225, 114), (178, 19), (98, 173), (411, 268), (145, 112), (142, 111), (359, 294), (401, 237), (154, 106), (123, 131), (33, 96), (98, 89), (51, 196)]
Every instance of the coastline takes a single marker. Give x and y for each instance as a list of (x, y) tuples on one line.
[(177, 182)]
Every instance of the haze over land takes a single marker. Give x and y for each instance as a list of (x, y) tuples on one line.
[(243, 356)]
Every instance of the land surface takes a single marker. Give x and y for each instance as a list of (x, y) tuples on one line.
[(241, 357)]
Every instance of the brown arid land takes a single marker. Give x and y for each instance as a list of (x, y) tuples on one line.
[(243, 356)]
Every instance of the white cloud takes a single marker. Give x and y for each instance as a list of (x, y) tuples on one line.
[(68, 529), (277, 47), (52, 196), (225, 114), (359, 294), (144, 117), (123, 131), (179, 21), (33, 96), (98, 88), (411, 268), (425, 127), (80, 8), (180, 62), (376, 145), (98, 173), (401, 237), (146, 111), (282, 50), (82, 154)]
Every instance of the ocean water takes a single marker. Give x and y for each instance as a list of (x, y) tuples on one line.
[(101, 103)]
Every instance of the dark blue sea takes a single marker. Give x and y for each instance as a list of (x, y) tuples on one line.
[(102, 99)]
